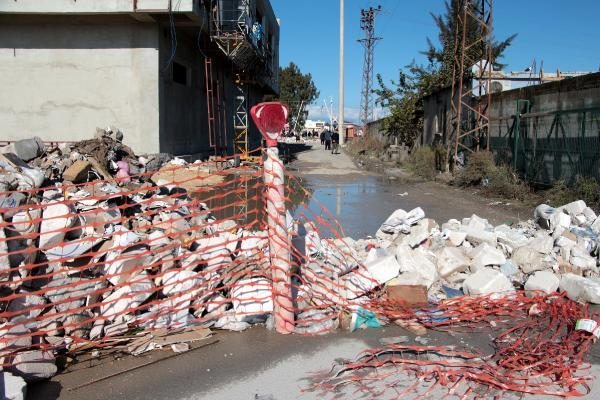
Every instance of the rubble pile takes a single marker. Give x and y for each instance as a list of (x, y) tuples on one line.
[(103, 248), (96, 243), (558, 250)]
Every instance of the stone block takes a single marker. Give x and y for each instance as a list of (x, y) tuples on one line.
[(530, 260), (417, 261), (451, 260), (456, 238), (484, 255), (381, 265), (421, 232), (487, 281), (579, 288), (34, 365), (574, 208), (78, 171), (14, 388), (544, 281)]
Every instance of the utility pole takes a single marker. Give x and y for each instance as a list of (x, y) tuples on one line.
[(367, 24), (341, 129)]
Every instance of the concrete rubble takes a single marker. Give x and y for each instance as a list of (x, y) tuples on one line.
[(151, 243), (161, 260)]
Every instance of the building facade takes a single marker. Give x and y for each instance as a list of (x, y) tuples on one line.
[(159, 70)]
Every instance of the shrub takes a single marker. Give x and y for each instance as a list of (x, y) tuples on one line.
[(369, 144), (480, 166), (584, 188), (422, 162), (495, 180)]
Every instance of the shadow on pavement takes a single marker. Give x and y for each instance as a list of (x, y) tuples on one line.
[(45, 390)]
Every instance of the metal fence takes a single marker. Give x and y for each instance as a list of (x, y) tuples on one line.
[(548, 146)]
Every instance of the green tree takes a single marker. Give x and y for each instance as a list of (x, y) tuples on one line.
[(404, 98), (296, 88), (442, 55)]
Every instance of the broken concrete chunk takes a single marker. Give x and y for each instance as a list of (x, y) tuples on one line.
[(544, 281), (180, 281), (251, 297), (78, 171), (4, 260), (34, 365), (421, 232), (484, 255), (477, 236), (127, 298), (70, 293), (580, 289), (487, 281), (457, 238), (381, 265), (581, 260), (26, 221), (510, 237), (542, 244), (451, 260), (57, 218), (590, 215), (530, 260), (574, 208), (14, 387), (401, 221), (417, 261), (28, 305), (15, 334)]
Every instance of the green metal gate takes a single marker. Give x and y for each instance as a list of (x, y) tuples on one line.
[(548, 146)]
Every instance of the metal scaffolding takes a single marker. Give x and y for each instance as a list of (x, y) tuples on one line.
[(240, 126), (472, 73)]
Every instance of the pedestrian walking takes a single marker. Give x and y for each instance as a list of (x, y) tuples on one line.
[(322, 138), (335, 142), (327, 140)]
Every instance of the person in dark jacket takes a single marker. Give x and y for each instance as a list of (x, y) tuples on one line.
[(327, 140), (335, 141), (322, 138)]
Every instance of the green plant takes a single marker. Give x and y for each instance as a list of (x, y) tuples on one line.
[(495, 180), (369, 144), (422, 162), (584, 188), (479, 167)]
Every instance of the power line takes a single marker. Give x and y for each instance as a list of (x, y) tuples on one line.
[(367, 24)]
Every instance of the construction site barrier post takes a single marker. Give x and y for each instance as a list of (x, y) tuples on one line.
[(270, 119)]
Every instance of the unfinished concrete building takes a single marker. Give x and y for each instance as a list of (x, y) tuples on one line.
[(176, 76)]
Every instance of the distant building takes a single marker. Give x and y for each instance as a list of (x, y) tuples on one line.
[(174, 76), (313, 126)]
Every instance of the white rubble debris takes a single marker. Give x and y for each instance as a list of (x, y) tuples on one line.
[(484, 255), (252, 297), (544, 281), (579, 288), (451, 260), (155, 257), (487, 281), (14, 388)]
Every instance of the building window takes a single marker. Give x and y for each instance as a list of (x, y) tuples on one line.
[(181, 74)]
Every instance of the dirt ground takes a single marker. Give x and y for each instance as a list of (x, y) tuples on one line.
[(262, 365)]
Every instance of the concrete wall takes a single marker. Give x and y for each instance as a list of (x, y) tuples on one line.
[(63, 77), (567, 94), (437, 116), (94, 6), (183, 113)]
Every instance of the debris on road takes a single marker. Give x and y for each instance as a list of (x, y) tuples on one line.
[(103, 249)]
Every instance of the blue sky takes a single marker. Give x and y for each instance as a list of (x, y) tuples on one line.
[(564, 34)]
